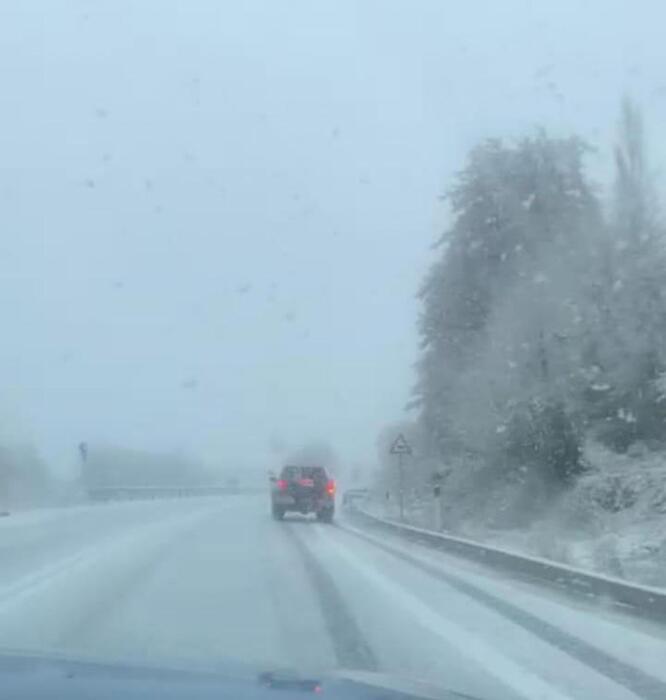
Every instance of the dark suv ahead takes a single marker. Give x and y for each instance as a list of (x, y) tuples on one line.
[(303, 490)]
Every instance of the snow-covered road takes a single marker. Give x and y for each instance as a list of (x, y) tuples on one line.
[(208, 579)]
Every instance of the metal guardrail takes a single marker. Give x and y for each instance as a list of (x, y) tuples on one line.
[(640, 600), (144, 493)]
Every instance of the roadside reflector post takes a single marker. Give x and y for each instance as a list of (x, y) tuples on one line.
[(437, 480)]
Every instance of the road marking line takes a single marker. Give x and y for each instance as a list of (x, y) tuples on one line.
[(525, 683), (638, 682)]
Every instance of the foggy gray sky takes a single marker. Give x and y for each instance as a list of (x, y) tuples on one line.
[(215, 215)]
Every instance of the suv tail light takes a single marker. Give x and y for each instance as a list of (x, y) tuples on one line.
[(282, 484), (330, 488)]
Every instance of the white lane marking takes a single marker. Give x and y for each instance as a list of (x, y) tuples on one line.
[(628, 640), (524, 682), (12, 592), (40, 579)]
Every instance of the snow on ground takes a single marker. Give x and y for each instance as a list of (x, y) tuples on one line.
[(214, 580), (613, 520)]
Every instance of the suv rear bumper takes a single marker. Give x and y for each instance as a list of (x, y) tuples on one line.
[(287, 502)]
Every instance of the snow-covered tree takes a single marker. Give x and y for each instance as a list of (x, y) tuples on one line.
[(627, 350), (501, 307), (543, 320)]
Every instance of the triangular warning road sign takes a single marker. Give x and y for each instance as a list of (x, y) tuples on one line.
[(400, 446)]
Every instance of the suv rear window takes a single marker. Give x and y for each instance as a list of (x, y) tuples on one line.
[(315, 473)]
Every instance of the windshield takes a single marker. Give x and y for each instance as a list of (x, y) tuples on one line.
[(334, 339)]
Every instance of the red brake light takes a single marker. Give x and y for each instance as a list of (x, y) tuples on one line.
[(330, 488), (282, 484)]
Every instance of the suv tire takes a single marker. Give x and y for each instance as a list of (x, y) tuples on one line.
[(325, 515)]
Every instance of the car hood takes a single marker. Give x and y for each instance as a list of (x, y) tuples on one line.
[(37, 675)]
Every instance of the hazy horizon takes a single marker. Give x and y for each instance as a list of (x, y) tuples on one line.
[(214, 226)]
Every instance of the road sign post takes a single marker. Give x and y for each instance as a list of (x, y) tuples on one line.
[(401, 472), (401, 447)]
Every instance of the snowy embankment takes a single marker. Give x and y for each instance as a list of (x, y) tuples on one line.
[(612, 520)]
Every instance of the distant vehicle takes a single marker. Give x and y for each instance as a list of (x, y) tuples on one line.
[(351, 496), (301, 489)]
